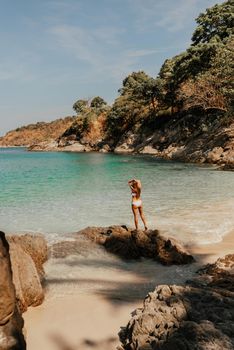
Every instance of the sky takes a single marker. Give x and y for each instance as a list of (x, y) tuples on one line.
[(54, 52)]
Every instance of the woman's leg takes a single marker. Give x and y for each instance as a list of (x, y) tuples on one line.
[(142, 216), (134, 210)]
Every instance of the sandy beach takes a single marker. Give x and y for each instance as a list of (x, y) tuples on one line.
[(209, 253), (92, 321)]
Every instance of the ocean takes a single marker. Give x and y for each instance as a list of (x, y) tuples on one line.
[(59, 193)]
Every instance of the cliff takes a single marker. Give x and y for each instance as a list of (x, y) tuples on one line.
[(190, 137), (34, 133)]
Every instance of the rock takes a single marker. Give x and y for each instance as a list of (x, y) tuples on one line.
[(123, 148), (76, 147), (28, 254), (214, 155), (78, 246), (219, 275), (149, 150), (27, 283), (186, 317), (132, 244), (11, 322), (35, 246), (44, 146), (127, 143), (105, 148)]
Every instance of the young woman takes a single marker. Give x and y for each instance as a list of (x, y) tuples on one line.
[(135, 186)]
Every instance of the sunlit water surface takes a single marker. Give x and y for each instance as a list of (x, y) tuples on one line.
[(57, 193), (60, 193)]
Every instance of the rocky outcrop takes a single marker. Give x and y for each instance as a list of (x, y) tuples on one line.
[(35, 133), (54, 145), (193, 317), (218, 275), (11, 322), (28, 254), (134, 244), (35, 246), (188, 138)]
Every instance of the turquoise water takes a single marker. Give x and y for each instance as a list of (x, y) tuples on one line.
[(57, 193)]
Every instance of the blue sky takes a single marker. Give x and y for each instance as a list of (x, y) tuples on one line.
[(54, 52)]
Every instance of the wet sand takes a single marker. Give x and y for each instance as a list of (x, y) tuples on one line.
[(209, 253)]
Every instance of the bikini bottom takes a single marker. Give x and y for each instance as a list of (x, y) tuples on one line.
[(137, 203)]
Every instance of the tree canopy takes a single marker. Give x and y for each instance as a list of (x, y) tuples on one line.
[(200, 77), (216, 23), (98, 102), (80, 105)]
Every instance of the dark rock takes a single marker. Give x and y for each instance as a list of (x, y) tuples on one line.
[(11, 322), (186, 317), (134, 244), (219, 275)]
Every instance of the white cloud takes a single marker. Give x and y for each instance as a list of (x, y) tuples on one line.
[(76, 40), (147, 52), (167, 14), (100, 48)]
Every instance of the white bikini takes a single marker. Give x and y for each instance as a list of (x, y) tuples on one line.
[(137, 202)]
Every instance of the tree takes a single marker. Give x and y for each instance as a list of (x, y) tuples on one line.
[(133, 81), (216, 23), (98, 102), (80, 106), (212, 88), (150, 92)]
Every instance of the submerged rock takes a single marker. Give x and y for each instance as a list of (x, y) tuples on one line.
[(11, 322), (186, 317), (134, 244)]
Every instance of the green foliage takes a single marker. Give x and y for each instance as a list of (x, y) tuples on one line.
[(88, 118), (202, 77), (133, 82), (123, 115), (80, 106), (209, 50), (215, 24), (98, 102), (222, 70), (137, 95), (142, 88)]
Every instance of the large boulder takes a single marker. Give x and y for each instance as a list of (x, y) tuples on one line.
[(186, 317), (27, 283), (35, 246), (11, 321), (134, 244), (28, 253)]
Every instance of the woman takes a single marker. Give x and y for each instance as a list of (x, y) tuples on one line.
[(135, 186)]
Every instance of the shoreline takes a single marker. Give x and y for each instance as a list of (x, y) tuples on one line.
[(208, 253), (66, 322), (217, 166)]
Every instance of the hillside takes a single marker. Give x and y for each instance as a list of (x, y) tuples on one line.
[(34, 133)]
